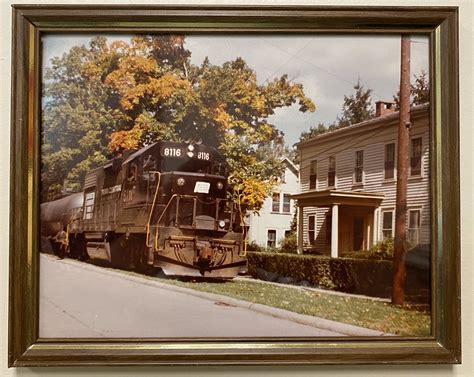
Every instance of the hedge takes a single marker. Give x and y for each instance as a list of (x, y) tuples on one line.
[(361, 276)]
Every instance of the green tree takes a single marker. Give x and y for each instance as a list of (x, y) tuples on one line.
[(357, 107), (419, 91), (78, 118), (320, 129), (313, 131)]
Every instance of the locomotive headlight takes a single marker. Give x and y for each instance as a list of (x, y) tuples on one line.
[(190, 154), (180, 181), (221, 223), (220, 185), (190, 147)]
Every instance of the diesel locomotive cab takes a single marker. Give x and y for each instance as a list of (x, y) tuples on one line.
[(193, 228), (164, 205)]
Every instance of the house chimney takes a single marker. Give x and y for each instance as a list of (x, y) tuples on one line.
[(383, 108)]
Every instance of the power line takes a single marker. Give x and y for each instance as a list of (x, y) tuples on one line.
[(344, 143), (308, 61), (376, 94), (287, 61)]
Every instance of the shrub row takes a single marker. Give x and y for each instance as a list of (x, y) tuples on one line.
[(361, 276)]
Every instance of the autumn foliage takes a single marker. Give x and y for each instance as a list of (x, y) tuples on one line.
[(105, 98)]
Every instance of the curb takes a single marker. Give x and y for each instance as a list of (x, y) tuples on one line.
[(321, 323)]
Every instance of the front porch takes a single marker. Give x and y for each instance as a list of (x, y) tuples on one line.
[(351, 221)]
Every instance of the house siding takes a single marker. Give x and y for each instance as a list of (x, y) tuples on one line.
[(259, 224), (372, 142)]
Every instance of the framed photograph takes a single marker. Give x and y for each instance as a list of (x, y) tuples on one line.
[(234, 185)]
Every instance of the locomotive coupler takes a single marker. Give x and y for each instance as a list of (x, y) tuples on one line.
[(204, 256)]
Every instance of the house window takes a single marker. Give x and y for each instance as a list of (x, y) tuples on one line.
[(415, 157), (276, 202), (312, 229), (387, 224), (413, 227), (287, 233), (359, 166), (271, 238), (286, 203), (312, 174), (332, 171), (389, 161)]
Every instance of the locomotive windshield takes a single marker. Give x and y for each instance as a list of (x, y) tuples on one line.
[(214, 168), (187, 165)]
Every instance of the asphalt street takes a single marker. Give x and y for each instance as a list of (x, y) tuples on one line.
[(83, 301)]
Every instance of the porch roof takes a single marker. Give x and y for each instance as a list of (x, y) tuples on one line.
[(329, 197)]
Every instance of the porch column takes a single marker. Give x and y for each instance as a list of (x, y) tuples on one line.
[(299, 226), (376, 226), (368, 240), (335, 231)]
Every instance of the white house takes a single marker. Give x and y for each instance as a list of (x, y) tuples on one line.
[(274, 219), (348, 184)]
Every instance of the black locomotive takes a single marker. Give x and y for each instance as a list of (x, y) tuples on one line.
[(164, 205)]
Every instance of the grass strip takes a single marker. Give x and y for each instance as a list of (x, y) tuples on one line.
[(371, 314)]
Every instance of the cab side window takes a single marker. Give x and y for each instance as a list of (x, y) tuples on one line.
[(132, 172), (149, 168)]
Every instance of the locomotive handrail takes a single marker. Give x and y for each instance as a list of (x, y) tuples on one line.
[(147, 241), (158, 221), (174, 196)]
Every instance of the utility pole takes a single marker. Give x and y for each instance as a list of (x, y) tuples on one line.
[(400, 242)]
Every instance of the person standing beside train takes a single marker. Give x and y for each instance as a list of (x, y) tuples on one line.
[(61, 238)]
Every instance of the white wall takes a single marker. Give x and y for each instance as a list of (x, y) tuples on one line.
[(267, 219), (467, 182)]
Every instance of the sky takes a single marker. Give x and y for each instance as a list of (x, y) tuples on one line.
[(328, 66)]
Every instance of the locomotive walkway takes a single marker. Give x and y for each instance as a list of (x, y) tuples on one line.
[(82, 300)]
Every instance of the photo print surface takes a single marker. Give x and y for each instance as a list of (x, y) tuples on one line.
[(202, 186)]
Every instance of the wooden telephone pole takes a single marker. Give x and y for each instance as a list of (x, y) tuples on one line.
[(400, 242)]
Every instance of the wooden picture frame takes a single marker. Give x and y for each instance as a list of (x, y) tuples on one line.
[(30, 21)]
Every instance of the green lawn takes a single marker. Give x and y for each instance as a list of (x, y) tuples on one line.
[(362, 312)]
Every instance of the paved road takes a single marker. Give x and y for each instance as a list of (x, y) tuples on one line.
[(80, 300)]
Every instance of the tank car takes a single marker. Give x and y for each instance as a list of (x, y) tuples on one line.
[(164, 206)]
